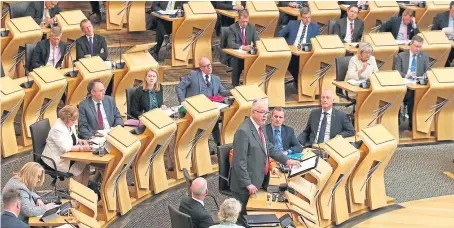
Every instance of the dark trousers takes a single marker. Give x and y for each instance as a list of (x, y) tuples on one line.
[(294, 67), (243, 198), (409, 100), (450, 58), (95, 7), (163, 28), (216, 134), (237, 66)]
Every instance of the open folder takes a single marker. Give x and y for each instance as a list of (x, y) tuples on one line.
[(305, 166)]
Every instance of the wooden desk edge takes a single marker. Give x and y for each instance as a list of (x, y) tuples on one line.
[(78, 156)]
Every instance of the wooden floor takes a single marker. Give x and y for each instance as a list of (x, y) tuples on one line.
[(430, 212)]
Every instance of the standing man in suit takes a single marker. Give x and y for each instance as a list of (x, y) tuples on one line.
[(350, 29), (402, 27), (90, 44), (43, 12), (411, 63), (282, 136), (194, 205), (11, 209), (242, 35), (202, 82), (298, 33), (164, 28), (446, 20), (50, 51), (97, 111), (251, 152), (325, 123)]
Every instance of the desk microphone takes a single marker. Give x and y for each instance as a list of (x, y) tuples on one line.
[(74, 72), (121, 64), (319, 152), (28, 83), (139, 129)]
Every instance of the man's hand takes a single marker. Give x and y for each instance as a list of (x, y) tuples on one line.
[(285, 152), (252, 189), (293, 163), (238, 7), (47, 21), (293, 5), (246, 48)]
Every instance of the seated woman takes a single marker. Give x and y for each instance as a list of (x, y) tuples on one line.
[(147, 97), (228, 214), (362, 65), (62, 138), (29, 177)]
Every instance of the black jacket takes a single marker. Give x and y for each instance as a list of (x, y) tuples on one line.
[(140, 102), (441, 21), (393, 26), (36, 10), (41, 54), (99, 47), (340, 29), (9, 220), (289, 140), (199, 214)]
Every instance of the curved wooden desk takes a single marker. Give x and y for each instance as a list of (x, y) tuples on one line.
[(425, 19), (378, 11), (264, 15), (86, 197), (322, 12), (437, 47), (385, 48), (69, 22), (116, 15)]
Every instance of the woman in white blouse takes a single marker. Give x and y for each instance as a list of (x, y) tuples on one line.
[(362, 65), (62, 138)]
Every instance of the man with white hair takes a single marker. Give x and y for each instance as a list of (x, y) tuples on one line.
[(251, 152), (194, 205)]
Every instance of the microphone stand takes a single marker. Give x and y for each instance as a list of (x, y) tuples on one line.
[(28, 83), (74, 72), (121, 64)]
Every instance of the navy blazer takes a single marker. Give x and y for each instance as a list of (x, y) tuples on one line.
[(290, 32), (10, 220), (289, 140)]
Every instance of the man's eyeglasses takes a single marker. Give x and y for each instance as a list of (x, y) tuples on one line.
[(263, 113), (209, 65)]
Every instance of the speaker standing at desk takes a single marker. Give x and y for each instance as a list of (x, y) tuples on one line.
[(90, 44), (251, 153), (50, 51), (43, 11)]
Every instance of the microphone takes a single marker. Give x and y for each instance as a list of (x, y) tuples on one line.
[(139, 128), (121, 64), (319, 151), (74, 72), (28, 83), (357, 144)]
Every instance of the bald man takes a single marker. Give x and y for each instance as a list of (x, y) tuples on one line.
[(194, 205), (325, 123)]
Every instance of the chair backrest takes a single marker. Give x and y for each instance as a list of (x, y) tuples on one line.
[(179, 219), (129, 92), (224, 167), (29, 48), (224, 35), (39, 132), (331, 24), (188, 180), (18, 9), (341, 69)]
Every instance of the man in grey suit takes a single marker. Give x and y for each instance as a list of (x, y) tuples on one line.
[(251, 152), (350, 29), (412, 63), (97, 111), (202, 82), (242, 35), (321, 128)]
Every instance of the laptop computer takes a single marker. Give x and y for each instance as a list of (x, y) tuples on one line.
[(265, 220), (50, 214)]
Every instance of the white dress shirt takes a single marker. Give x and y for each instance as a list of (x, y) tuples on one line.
[(103, 113), (200, 201), (348, 36), (328, 125), (54, 55), (300, 31)]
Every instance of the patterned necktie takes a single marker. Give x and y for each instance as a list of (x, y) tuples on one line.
[(243, 37), (321, 133), (267, 163), (90, 44), (413, 64), (207, 81), (352, 30), (152, 100), (100, 119), (278, 140), (302, 34)]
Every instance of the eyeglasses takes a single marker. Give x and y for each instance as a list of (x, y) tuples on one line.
[(263, 113), (209, 65)]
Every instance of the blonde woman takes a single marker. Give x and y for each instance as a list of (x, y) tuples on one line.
[(228, 214), (62, 138), (362, 65), (149, 96), (30, 177)]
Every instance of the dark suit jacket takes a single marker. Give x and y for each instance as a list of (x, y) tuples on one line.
[(99, 47), (285, 3), (226, 5), (234, 39), (42, 51), (290, 32), (289, 140), (10, 220), (199, 214), (402, 61), (36, 10), (441, 21), (88, 116), (140, 101), (250, 159), (195, 84), (162, 5), (393, 26), (340, 28), (340, 125)]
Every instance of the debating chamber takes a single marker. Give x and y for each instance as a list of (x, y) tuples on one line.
[(227, 114)]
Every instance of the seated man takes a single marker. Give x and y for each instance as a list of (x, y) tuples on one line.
[(402, 27), (97, 111), (321, 128), (164, 28), (50, 51), (282, 136), (242, 35), (350, 29), (11, 209), (90, 44), (298, 33), (411, 63), (226, 5), (43, 12), (202, 82), (194, 205), (446, 20)]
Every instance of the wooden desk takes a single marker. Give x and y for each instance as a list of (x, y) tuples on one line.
[(290, 11), (258, 202), (351, 49), (304, 55), (60, 220), (228, 13), (87, 157), (404, 47), (248, 59)]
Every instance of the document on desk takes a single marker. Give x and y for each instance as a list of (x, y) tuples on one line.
[(409, 81), (220, 105), (355, 82), (167, 12), (170, 111), (353, 44), (240, 51), (406, 42)]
